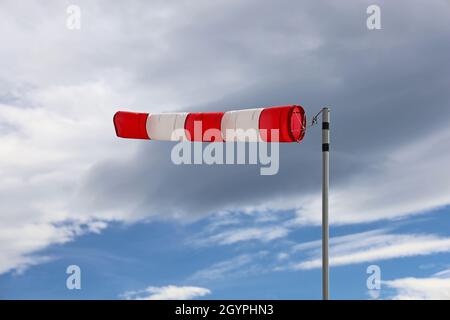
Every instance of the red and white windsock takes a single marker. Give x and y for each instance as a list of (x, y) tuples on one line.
[(273, 124)]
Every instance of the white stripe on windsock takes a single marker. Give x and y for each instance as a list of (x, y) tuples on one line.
[(162, 126), (241, 125)]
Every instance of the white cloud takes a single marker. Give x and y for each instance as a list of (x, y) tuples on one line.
[(238, 266), (44, 152), (231, 236), (372, 246), (443, 274), (20, 245), (283, 256), (436, 287), (407, 181), (170, 292)]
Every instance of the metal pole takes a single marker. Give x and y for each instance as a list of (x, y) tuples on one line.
[(325, 186)]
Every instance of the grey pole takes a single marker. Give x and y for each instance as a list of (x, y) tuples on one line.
[(325, 185)]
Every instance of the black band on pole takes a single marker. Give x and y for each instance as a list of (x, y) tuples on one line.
[(325, 147), (325, 125)]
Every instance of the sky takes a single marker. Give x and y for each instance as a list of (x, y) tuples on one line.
[(140, 227)]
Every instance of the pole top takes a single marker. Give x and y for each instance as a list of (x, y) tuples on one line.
[(326, 114)]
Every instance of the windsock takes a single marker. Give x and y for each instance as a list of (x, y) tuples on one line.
[(272, 124)]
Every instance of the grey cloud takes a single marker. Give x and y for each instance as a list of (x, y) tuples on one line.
[(387, 88)]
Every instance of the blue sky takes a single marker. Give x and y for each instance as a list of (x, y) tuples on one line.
[(163, 254), (139, 226)]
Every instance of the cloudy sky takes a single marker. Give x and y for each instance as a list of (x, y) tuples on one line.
[(141, 227)]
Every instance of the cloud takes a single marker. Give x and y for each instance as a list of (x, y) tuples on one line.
[(229, 228), (371, 246), (381, 146), (443, 274), (436, 287), (264, 234), (63, 166), (41, 162), (170, 292), (238, 266), (407, 182), (20, 245)]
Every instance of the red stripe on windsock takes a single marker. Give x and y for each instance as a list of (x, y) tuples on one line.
[(208, 121), (131, 125), (289, 121)]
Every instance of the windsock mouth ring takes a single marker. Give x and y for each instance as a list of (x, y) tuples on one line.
[(297, 123), (289, 121)]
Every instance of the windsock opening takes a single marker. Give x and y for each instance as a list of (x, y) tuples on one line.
[(288, 121)]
